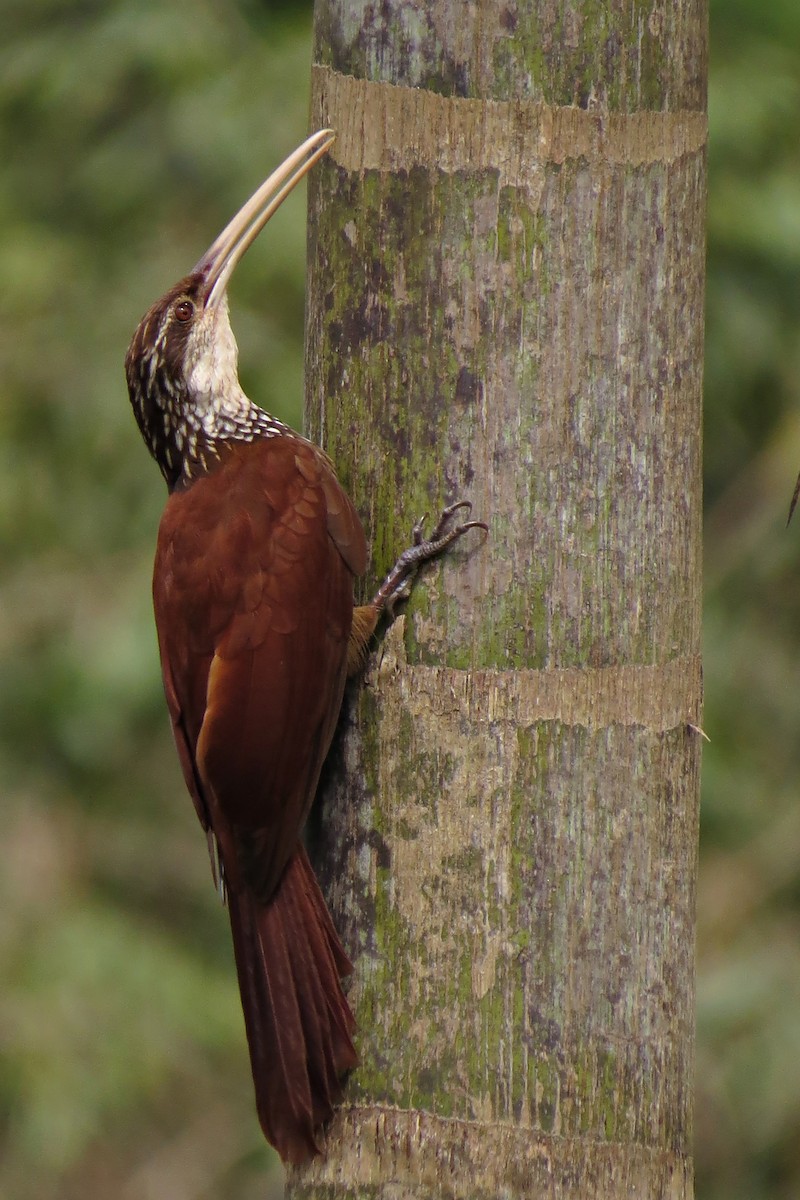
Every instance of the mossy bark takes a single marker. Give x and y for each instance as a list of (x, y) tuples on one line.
[(506, 303)]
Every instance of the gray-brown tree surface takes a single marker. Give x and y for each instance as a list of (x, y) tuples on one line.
[(505, 302)]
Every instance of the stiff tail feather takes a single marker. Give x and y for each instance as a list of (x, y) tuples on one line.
[(299, 1025)]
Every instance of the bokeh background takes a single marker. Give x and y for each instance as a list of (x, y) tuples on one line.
[(130, 133)]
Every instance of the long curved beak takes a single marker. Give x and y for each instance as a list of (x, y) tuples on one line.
[(223, 254)]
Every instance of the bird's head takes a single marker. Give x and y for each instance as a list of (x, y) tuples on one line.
[(181, 365)]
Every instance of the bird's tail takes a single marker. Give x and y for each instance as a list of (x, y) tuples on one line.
[(299, 1025)]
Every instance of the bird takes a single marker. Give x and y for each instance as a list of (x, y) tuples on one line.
[(257, 552)]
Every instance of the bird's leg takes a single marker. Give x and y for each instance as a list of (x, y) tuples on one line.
[(398, 583)]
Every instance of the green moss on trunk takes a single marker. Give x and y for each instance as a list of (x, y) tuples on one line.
[(505, 304)]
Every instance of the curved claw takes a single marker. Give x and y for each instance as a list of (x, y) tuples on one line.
[(473, 525), (447, 513), (419, 525)]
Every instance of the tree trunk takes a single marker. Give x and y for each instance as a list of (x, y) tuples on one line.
[(506, 269)]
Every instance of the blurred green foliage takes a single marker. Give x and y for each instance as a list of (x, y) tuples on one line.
[(130, 133), (748, 1054)]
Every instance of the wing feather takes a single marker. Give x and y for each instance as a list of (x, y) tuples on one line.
[(254, 648)]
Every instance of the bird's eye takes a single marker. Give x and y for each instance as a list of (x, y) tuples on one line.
[(184, 310)]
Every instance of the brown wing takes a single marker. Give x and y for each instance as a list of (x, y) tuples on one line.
[(253, 601)]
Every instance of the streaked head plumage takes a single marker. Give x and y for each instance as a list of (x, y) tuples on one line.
[(182, 363)]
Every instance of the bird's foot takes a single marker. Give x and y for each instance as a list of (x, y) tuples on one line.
[(398, 583)]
